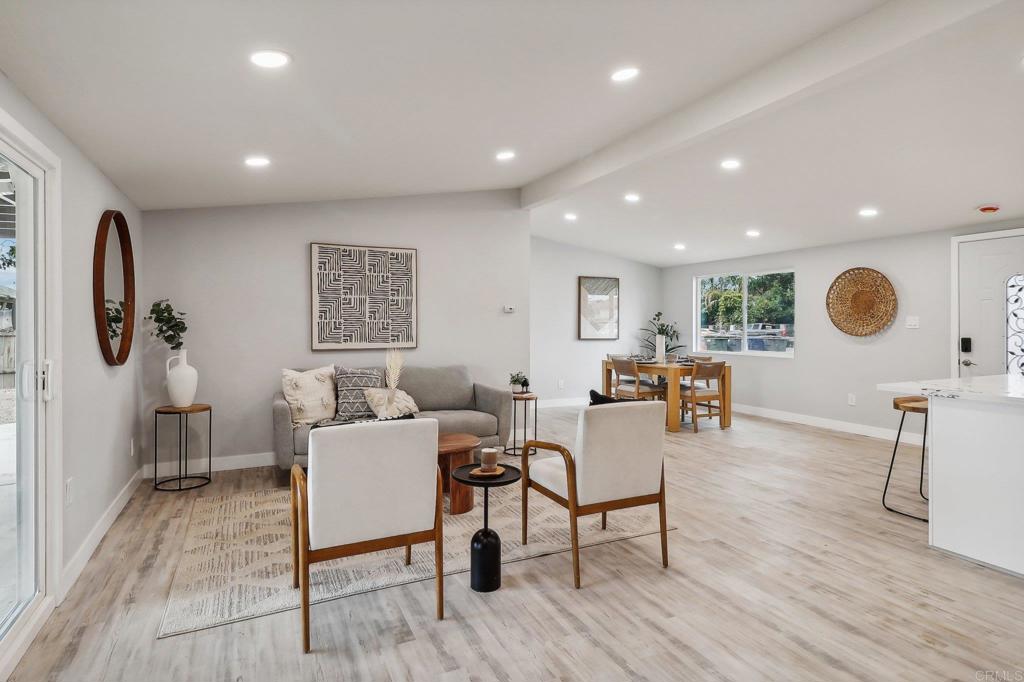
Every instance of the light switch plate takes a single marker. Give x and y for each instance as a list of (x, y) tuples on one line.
[(509, 309), (913, 322)]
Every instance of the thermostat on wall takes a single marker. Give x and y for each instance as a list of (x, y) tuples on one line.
[(509, 309)]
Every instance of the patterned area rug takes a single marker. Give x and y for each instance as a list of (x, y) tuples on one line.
[(237, 564)]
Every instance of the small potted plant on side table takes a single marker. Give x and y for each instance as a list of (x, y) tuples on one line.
[(519, 379)]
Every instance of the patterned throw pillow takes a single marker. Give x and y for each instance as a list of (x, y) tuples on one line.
[(351, 401), (310, 395), (402, 403)]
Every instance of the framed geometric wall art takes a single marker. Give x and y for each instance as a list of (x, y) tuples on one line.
[(363, 297), (598, 308)]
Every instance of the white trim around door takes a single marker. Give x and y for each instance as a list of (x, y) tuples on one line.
[(22, 147), (954, 288)]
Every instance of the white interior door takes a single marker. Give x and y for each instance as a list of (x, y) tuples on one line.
[(991, 306)]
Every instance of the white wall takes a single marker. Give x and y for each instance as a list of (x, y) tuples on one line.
[(828, 364), (555, 351), (100, 402), (242, 275)]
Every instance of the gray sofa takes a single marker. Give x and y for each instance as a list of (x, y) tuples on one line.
[(446, 394)]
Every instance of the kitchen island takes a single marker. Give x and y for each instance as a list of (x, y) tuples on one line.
[(976, 466)]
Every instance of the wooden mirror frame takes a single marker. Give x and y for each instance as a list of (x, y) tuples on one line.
[(99, 298)]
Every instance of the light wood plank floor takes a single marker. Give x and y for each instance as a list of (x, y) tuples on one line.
[(784, 566)]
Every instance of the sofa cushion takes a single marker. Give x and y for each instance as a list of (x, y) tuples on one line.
[(310, 395), (439, 388), (463, 421), (351, 400)]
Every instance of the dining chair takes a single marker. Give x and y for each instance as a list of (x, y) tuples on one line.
[(616, 463), (697, 396), (628, 381), (684, 381), (370, 487)]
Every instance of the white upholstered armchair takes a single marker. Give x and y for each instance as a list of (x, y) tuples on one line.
[(617, 463), (369, 487)]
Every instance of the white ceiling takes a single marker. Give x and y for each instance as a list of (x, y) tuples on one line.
[(386, 98), (926, 135)]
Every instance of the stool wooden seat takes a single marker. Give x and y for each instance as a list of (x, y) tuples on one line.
[(913, 404)]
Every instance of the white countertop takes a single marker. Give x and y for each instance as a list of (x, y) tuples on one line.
[(997, 388)]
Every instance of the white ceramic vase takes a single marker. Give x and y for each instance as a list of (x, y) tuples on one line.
[(182, 380), (659, 348)]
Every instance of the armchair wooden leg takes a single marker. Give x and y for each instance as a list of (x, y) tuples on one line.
[(695, 417), (604, 520), (575, 549), (664, 525), (408, 554), (295, 536), (304, 584), (525, 482)]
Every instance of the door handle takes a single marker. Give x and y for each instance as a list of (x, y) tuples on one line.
[(47, 380), (968, 363)]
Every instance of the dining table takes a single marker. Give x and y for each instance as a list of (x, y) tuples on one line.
[(673, 371)]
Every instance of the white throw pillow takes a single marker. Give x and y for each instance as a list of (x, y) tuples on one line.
[(377, 399), (310, 395)]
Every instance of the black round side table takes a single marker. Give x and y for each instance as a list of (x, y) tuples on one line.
[(485, 547), (183, 481)]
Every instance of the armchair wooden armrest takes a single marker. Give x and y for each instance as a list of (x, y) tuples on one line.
[(570, 463)]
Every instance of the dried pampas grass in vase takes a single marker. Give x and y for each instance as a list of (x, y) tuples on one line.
[(393, 363)]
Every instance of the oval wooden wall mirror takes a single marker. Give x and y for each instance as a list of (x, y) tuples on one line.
[(113, 288)]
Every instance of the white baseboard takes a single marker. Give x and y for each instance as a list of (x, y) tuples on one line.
[(562, 402), (831, 424), (76, 565), (222, 463)]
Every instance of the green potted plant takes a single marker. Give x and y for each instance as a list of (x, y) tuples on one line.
[(519, 379), (657, 327), (169, 326)]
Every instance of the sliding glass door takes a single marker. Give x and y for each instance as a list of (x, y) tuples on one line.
[(20, 406)]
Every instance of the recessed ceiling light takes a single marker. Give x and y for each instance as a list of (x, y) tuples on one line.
[(571, 217), (731, 164), (868, 212), (626, 74), (753, 233), (632, 197), (269, 59), (505, 155), (257, 161), (679, 247)]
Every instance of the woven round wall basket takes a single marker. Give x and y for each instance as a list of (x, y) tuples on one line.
[(861, 302)]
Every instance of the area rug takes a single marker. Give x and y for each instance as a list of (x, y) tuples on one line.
[(237, 565)]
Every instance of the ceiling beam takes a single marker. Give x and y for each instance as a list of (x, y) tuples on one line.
[(841, 53)]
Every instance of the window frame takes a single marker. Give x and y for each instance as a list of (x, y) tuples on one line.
[(744, 276)]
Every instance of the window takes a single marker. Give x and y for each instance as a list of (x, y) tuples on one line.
[(746, 313)]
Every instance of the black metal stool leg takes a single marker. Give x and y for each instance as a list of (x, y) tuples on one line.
[(888, 477), (924, 442)]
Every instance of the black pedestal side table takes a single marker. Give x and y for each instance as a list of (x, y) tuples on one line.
[(184, 480), (526, 399), (485, 547)]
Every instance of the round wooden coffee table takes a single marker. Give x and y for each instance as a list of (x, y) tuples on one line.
[(453, 451)]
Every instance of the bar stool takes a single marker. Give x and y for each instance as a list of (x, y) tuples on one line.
[(918, 405)]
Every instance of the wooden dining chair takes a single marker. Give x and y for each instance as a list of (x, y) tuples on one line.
[(616, 463), (704, 396), (629, 383), (370, 487), (684, 381)]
